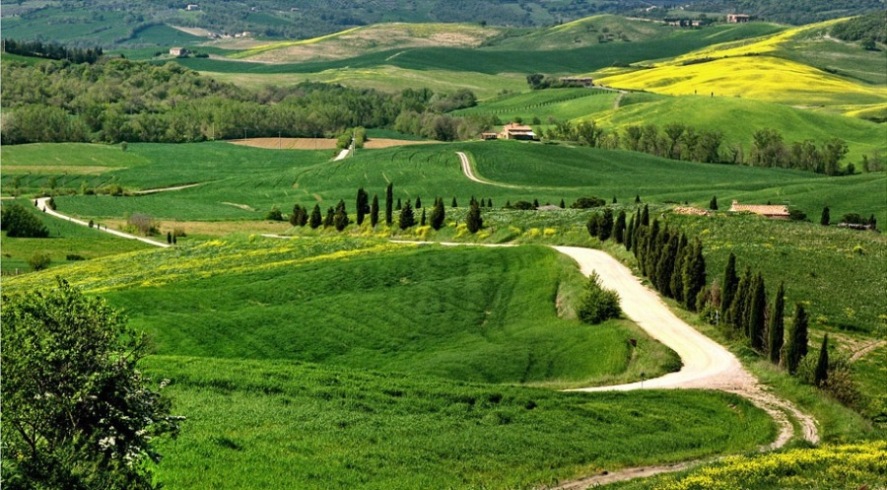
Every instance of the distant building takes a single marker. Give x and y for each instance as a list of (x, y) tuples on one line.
[(770, 211), (192, 6), (516, 131), (489, 136), (738, 18), (178, 51)]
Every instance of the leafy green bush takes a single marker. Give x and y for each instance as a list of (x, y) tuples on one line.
[(17, 221), (588, 202), (599, 304), (39, 261)]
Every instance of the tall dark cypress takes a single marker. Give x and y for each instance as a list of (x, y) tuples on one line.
[(677, 275), (820, 376), (665, 267), (606, 225), (728, 286), (738, 312), (407, 218), (340, 217), (374, 211), (796, 348), (756, 314), (629, 235), (619, 227), (362, 205), (316, 219), (645, 216), (694, 275), (438, 214), (474, 221), (776, 330), (422, 221), (389, 204)]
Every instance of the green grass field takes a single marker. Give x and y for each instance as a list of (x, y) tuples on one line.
[(65, 239), (428, 359)]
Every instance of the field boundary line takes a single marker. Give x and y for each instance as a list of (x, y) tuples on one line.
[(43, 204)]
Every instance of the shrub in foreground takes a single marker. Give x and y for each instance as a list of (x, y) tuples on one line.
[(598, 304)]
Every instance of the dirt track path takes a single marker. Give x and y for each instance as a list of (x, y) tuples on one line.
[(43, 205), (706, 364), (469, 173)]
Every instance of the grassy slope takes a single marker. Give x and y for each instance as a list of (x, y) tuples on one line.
[(334, 424)]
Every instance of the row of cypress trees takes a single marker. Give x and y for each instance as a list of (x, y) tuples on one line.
[(675, 266), (338, 216)]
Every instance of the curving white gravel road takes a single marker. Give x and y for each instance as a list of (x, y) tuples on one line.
[(43, 205)]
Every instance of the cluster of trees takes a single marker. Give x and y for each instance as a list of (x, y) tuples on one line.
[(17, 221), (867, 29), (77, 413), (539, 81), (338, 216), (784, 11), (679, 141), (117, 100), (53, 51)]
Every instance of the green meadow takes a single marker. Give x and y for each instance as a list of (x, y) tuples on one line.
[(440, 361)]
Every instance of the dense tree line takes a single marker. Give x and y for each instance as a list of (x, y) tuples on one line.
[(53, 51), (868, 29), (788, 11), (119, 100), (679, 141)]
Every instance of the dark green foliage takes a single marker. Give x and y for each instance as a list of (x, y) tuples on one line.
[(362, 205), (53, 51), (562, 204), (340, 219), (316, 219), (438, 214), (637, 199), (17, 221), (756, 314), (374, 211), (418, 202), (677, 276), (39, 261), (694, 275), (474, 221), (629, 234), (399, 206), (776, 330), (606, 224), (619, 227), (76, 412), (274, 214), (820, 376), (599, 304), (729, 284), (422, 221), (407, 218), (454, 204), (738, 313), (665, 265), (299, 216), (535, 203), (330, 217), (713, 204), (389, 204), (867, 28), (796, 348), (586, 203), (645, 216), (825, 218)]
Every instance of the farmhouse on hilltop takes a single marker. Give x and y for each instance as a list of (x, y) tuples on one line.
[(770, 211), (738, 18), (515, 131), (178, 51)]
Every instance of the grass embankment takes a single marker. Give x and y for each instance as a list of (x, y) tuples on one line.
[(391, 398)]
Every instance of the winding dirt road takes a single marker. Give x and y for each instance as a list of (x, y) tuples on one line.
[(469, 173), (706, 364), (43, 205)]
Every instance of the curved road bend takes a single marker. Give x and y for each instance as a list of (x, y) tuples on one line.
[(43, 205)]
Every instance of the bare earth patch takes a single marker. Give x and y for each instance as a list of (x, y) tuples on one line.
[(320, 143)]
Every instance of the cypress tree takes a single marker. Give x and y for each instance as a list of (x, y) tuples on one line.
[(614, 199), (362, 205), (739, 306), (438, 214), (606, 225), (455, 204), (407, 219), (330, 217), (694, 275), (374, 211), (389, 204), (821, 374), (474, 221), (563, 204), (796, 348), (316, 219), (169, 237), (637, 199), (728, 286), (677, 274), (629, 235), (665, 266), (489, 202), (422, 222), (399, 206), (535, 203), (825, 219), (756, 314), (418, 202), (713, 204), (619, 227), (777, 327), (340, 218), (645, 216)]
